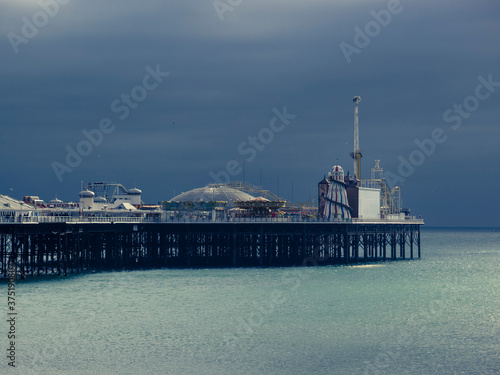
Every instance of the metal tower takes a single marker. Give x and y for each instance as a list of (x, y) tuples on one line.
[(356, 154), (377, 172)]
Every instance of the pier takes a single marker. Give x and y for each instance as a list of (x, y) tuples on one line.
[(63, 248)]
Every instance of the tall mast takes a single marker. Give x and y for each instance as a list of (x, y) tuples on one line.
[(356, 154)]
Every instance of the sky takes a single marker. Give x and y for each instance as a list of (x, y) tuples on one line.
[(170, 96)]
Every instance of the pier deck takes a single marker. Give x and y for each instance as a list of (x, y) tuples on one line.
[(71, 247)]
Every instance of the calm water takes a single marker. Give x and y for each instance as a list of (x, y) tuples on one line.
[(437, 315)]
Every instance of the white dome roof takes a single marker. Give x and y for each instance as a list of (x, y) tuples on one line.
[(86, 194), (213, 193), (134, 191), (100, 200)]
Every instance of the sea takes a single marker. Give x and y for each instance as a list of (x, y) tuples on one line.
[(436, 315)]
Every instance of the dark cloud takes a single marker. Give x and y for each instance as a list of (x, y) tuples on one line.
[(227, 77)]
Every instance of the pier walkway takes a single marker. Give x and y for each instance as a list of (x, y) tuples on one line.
[(61, 248)]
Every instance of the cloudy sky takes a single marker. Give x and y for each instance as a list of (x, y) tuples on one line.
[(85, 96)]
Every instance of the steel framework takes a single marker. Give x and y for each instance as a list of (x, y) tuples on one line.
[(65, 248)]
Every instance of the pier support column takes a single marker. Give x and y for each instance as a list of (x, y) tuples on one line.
[(411, 244), (418, 239)]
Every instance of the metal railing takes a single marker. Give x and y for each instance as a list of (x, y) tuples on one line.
[(157, 219), (76, 219)]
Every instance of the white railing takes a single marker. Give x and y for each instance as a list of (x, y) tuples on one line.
[(156, 219), (407, 220), (76, 219)]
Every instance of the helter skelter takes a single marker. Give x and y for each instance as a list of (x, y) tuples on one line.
[(337, 205)]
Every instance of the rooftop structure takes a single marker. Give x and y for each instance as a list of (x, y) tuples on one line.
[(390, 198), (213, 193), (8, 203), (113, 192), (259, 207)]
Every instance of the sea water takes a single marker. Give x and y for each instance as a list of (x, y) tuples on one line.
[(436, 315)]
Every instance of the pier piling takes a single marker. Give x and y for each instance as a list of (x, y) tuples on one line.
[(67, 248)]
